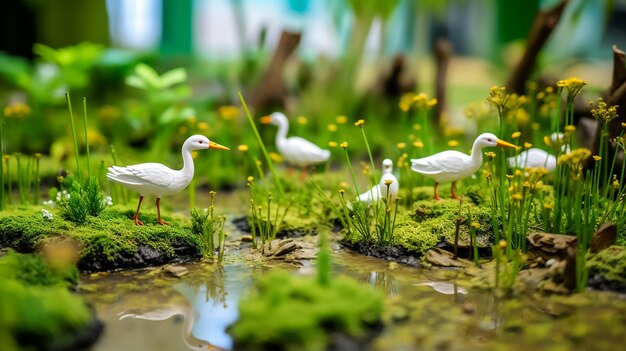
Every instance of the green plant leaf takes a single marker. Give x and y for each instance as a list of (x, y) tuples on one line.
[(175, 76)]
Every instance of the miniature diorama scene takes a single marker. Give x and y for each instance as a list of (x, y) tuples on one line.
[(312, 175)]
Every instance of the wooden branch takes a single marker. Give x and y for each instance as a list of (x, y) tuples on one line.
[(271, 89), (443, 52), (544, 24)]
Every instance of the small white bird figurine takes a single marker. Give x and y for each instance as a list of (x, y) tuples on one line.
[(450, 166), (159, 180), (296, 151), (535, 157), (374, 194)]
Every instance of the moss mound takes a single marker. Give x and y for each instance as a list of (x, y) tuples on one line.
[(607, 269), (36, 307), (297, 313), (109, 241)]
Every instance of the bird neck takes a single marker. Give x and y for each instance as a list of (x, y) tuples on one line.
[(281, 134), (477, 156), (187, 161)]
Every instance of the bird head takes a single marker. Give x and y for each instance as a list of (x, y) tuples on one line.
[(200, 142), (387, 166), (275, 118), (488, 139)]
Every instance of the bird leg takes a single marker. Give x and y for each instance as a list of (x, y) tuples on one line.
[(454, 195), (437, 198), (159, 220), (136, 216)]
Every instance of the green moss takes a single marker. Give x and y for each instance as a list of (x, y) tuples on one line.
[(35, 303), (303, 312), (610, 264), (103, 237)]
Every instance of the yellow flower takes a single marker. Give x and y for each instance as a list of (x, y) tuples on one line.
[(342, 191), (388, 182), (487, 174), (502, 244), (405, 102), (602, 112), (516, 135), (228, 112), (418, 144), (302, 120), (341, 119), (573, 86), (597, 158), (17, 110), (417, 126), (203, 126), (528, 145), (37, 156), (570, 129), (475, 225), (517, 197), (332, 127), (498, 97), (422, 102), (490, 155), (623, 125), (275, 157), (332, 144), (343, 185), (526, 184), (401, 145), (359, 123), (243, 148), (509, 176), (344, 145), (453, 143), (549, 90), (108, 112), (615, 182), (548, 205), (250, 179)]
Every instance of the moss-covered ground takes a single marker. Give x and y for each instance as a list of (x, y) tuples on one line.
[(109, 241), (36, 306), (298, 313)]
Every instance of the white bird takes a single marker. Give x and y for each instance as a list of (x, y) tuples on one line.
[(159, 180), (296, 151), (374, 194), (450, 166), (535, 157)]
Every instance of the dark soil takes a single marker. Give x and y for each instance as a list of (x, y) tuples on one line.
[(389, 253), (145, 256), (242, 224), (596, 281)]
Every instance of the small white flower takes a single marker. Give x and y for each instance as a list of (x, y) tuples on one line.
[(49, 203), (108, 201), (47, 215)]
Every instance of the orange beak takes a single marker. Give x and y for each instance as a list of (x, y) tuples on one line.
[(503, 143), (266, 119), (217, 146)]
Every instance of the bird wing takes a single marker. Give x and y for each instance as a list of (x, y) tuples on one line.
[(303, 149), (373, 193), (143, 174), (443, 162)]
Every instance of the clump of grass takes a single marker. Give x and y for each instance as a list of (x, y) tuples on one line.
[(266, 221), (205, 224)]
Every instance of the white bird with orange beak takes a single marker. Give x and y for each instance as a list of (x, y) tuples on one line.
[(296, 151), (160, 180), (450, 165)]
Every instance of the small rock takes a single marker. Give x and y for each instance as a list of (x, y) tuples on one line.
[(468, 308), (443, 258), (246, 239), (399, 313), (175, 271), (281, 248), (604, 237)]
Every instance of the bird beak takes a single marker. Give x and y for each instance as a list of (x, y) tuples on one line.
[(266, 119), (217, 146), (503, 143)]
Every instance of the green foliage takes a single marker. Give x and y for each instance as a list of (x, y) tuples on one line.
[(610, 264), (304, 312), (74, 207), (35, 303), (101, 238), (94, 197)]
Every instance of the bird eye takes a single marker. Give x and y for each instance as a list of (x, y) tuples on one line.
[(489, 140), (199, 141)]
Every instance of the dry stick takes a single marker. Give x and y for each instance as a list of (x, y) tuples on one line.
[(544, 24), (456, 231), (443, 53)]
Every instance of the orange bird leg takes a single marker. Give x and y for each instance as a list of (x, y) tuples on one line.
[(454, 195), (136, 216), (159, 220), (437, 198)]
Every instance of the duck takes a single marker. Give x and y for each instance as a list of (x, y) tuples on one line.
[(379, 191), (159, 180), (295, 150), (451, 165), (535, 157)]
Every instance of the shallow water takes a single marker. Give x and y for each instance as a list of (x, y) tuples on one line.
[(149, 309)]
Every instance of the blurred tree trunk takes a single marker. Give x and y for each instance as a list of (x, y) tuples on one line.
[(69, 22)]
